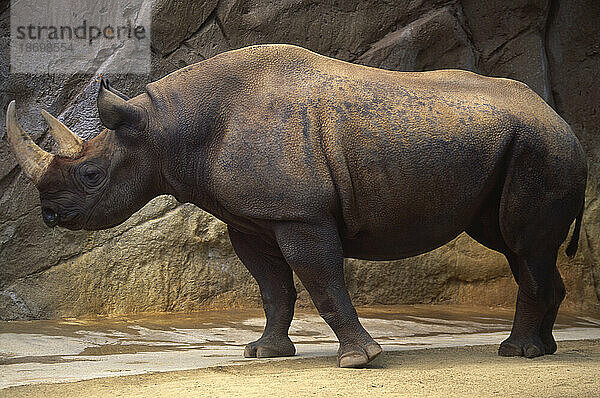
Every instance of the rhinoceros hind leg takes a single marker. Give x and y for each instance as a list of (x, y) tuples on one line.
[(528, 233), (550, 317), (485, 229), (537, 304), (542, 194)]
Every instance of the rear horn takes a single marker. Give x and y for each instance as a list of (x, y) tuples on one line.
[(69, 144)]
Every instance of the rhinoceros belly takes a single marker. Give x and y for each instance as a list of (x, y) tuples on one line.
[(416, 182)]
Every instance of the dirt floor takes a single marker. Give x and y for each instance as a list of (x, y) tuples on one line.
[(464, 371)]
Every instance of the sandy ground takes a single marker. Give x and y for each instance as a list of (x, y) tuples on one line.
[(71, 350), (462, 371)]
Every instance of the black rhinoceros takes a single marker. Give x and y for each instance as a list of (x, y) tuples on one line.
[(308, 160)]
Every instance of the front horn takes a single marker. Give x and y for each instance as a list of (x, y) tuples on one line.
[(33, 160), (69, 144)]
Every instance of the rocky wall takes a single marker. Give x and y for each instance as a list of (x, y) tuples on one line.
[(173, 257)]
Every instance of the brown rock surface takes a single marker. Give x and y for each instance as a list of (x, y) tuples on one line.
[(172, 257), (437, 40), (175, 21)]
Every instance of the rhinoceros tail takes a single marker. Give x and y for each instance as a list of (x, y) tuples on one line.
[(573, 244)]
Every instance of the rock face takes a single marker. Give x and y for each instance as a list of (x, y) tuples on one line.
[(173, 257)]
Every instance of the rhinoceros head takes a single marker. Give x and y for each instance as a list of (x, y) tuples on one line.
[(94, 184)]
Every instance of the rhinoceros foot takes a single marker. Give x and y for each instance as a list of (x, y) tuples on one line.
[(269, 347), (529, 347), (353, 356)]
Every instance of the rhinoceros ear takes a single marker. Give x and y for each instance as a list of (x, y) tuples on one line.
[(115, 111), (115, 91)]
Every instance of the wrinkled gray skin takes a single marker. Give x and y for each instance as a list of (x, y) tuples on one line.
[(309, 160)]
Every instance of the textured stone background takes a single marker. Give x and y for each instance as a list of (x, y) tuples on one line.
[(171, 257)]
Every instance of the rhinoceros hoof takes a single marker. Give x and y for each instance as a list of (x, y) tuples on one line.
[(270, 348), (355, 356), (530, 347)]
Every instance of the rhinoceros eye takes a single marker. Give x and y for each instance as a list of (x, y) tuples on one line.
[(91, 175)]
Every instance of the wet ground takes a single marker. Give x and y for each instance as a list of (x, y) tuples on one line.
[(79, 349)]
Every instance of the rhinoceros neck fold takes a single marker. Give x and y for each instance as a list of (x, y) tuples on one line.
[(185, 110)]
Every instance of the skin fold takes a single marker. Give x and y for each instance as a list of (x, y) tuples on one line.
[(309, 160)]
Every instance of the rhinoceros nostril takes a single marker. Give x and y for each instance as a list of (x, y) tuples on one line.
[(50, 217)]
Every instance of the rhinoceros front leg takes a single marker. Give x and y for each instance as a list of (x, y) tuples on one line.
[(274, 276), (316, 256)]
